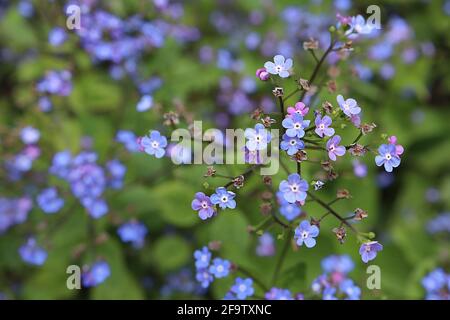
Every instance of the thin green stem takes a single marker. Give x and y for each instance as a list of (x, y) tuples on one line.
[(281, 259)]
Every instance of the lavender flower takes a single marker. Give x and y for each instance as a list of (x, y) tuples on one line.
[(368, 250), (294, 189), (305, 233), (322, 126), (295, 125), (388, 157), (202, 203), (280, 67), (334, 149), (348, 106), (257, 138)]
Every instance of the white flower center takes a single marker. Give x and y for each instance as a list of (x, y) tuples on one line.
[(332, 147), (305, 234), (204, 205), (278, 68), (258, 138), (155, 144), (388, 156), (294, 188), (293, 142), (242, 287), (220, 268), (367, 248), (297, 125), (224, 199), (322, 126), (346, 106), (204, 258)]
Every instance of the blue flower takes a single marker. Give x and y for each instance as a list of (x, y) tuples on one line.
[(96, 274), (291, 144), (220, 268), (335, 263), (435, 280), (294, 189), (388, 157), (305, 233), (96, 208), (204, 277), (30, 135), (154, 144), (368, 250), (57, 36), (322, 126), (280, 67), (266, 246), (145, 103), (295, 125), (116, 173), (202, 258), (128, 139), (290, 211), (349, 106), (352, 291), (334, 149), (257, 138), (49, 201), (133, 232), (31, 253), (329, 293), (202, 203), (278, 294), (224, 198), (243, 288), (60, 164)]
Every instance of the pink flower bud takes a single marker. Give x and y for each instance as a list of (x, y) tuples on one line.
[(262, 74)]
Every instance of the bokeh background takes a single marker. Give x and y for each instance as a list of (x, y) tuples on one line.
[(198, 59)]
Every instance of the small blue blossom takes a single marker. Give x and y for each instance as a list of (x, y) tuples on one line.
[(202, 258), (31, 253), (49, 201), (61, 164), (266, 246), (204, 277), (291, 144), (329, 293), (220, 268), (322, 126), (388, 157), (335, 263), (278, 294), (57, 36), (243, 288), (295, 125), (116, 172), (369, 250), (257, 138), (128, 139), (96, 274), (305, 233), (290, 211), (29, 135), (133, 232), (145, 103), (349, 288), (153, 144), (202, 203), (224, 198), (358, 25), (349, 106), (294, 188), (280, 67), (334, 149)]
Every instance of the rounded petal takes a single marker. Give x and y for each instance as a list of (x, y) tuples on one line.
[(340, 151), (314, 231), (284, 74), (287, 123), (310, 242), (270, 67), (379, 160), (231, 204), (278, 59), (288, 64)]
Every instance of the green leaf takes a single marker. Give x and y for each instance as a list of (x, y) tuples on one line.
[(171, 253)]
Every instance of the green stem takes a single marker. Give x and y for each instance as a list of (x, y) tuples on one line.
[(281, 259)]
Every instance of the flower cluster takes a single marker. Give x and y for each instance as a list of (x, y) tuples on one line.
[(208, 269), (206, 206), (389, 154), (334, 283), (437, 285), (14, 211)]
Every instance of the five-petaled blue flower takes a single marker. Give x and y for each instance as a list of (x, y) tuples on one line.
[(96, 274), (291, 144), (368, 250), (295, 125), (202, 203), (349, 106), (290, 211), (257, 138), (153, 144), (202, 258), (220, 268), (334, 149), (388, 157), (243, 288), (305, 233), (280, 67), (224, 198), (294, 188), (322, 126)]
